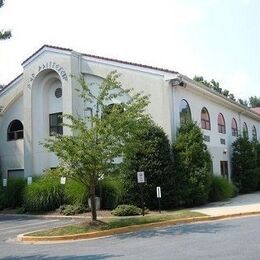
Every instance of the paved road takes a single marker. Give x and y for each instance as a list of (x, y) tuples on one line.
[(226, 239)]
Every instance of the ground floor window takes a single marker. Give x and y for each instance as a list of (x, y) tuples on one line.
[(55, 121), (15, 174), (224, 169)]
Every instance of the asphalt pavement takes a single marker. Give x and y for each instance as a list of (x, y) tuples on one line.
[(223, 239)]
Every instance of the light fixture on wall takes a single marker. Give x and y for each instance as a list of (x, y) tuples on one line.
[(225, 151), (178, 81)]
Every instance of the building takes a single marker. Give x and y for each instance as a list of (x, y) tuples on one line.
[(30, 106)]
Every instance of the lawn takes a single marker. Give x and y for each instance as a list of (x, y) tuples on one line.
[(110, 223)]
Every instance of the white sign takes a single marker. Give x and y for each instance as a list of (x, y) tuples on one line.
[(158, 191), (4, 182), (29, 180), (140, 177), (62, 180)]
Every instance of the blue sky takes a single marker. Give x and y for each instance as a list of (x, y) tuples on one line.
[(218, 39)]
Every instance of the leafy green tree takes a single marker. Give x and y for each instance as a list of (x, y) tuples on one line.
[(243, 161), (254, 101), (4, 34), (213, 84), (89, 154), (243, 102), (193, 165), (155, 159)]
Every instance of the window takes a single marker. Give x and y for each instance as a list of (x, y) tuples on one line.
[(205, 120), (185, 114), (15, 174), (234, 127), (55, 121), (224, 169), (221, 124), (15, 130), (245, 130), (254, 133)]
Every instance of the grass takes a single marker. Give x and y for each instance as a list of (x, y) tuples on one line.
[(111, 223)]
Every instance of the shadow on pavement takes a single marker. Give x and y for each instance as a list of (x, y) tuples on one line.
[(202, 228), (30, 257)]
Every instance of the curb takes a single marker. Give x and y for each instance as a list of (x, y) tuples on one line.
[(116, 231)]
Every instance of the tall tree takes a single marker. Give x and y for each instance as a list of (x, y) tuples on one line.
[(89, 154), (4, 34), (254, 101)]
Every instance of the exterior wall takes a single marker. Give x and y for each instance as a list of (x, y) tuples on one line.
[(31, 99), (11, 152), (219, 152)]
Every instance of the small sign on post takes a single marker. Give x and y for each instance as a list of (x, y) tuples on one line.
[(4, 182), (140, 177), (141, 181), (62, 180), (159, 195), (29, 180)]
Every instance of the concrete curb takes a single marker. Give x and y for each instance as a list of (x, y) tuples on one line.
[(122, 230)]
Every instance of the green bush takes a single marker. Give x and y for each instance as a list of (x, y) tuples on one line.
[(221, 189), (249, 181), (193, 166), (111, 190), (44, 194), (155, 159), (126, 210), (12, 195), (68, 210), (75, 193)]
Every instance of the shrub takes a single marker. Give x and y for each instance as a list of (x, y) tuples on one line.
[(111, 190), (75, 193), (68, 210), (243, 160), (193, 165), (155, 159), (249, 181), (221, 189), (12, 195), (126, 210), (44, 194)]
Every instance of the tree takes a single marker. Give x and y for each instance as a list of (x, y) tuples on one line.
[(243, 102), (89, 154), (4, 34), (193, 165), (155, 159), (243, 164), (254, 101), (213, 84)]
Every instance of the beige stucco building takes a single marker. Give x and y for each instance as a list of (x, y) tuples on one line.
[(31, 103)]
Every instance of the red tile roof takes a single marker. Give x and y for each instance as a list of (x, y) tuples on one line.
[(256, 109), (102, 58)]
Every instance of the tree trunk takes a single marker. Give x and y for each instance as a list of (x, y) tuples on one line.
[(93, 202)]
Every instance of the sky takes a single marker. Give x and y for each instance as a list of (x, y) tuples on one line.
[(216, 39)]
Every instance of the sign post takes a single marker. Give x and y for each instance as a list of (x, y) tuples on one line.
[(159, 195), (141, 180)]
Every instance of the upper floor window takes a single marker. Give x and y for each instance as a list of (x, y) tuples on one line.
[(234, 127), (205, 119), (185, 114), (55, 121), (245, 130), (15, 130), (221, 124), (254, 133)]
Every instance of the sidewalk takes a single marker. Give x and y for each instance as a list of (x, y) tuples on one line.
[(242, 204)]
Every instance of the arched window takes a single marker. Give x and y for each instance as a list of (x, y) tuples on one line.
[(234, 127), (245, 130), (205, 119), (15, 130), (254, 133), (221, 124), (185, 114)]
